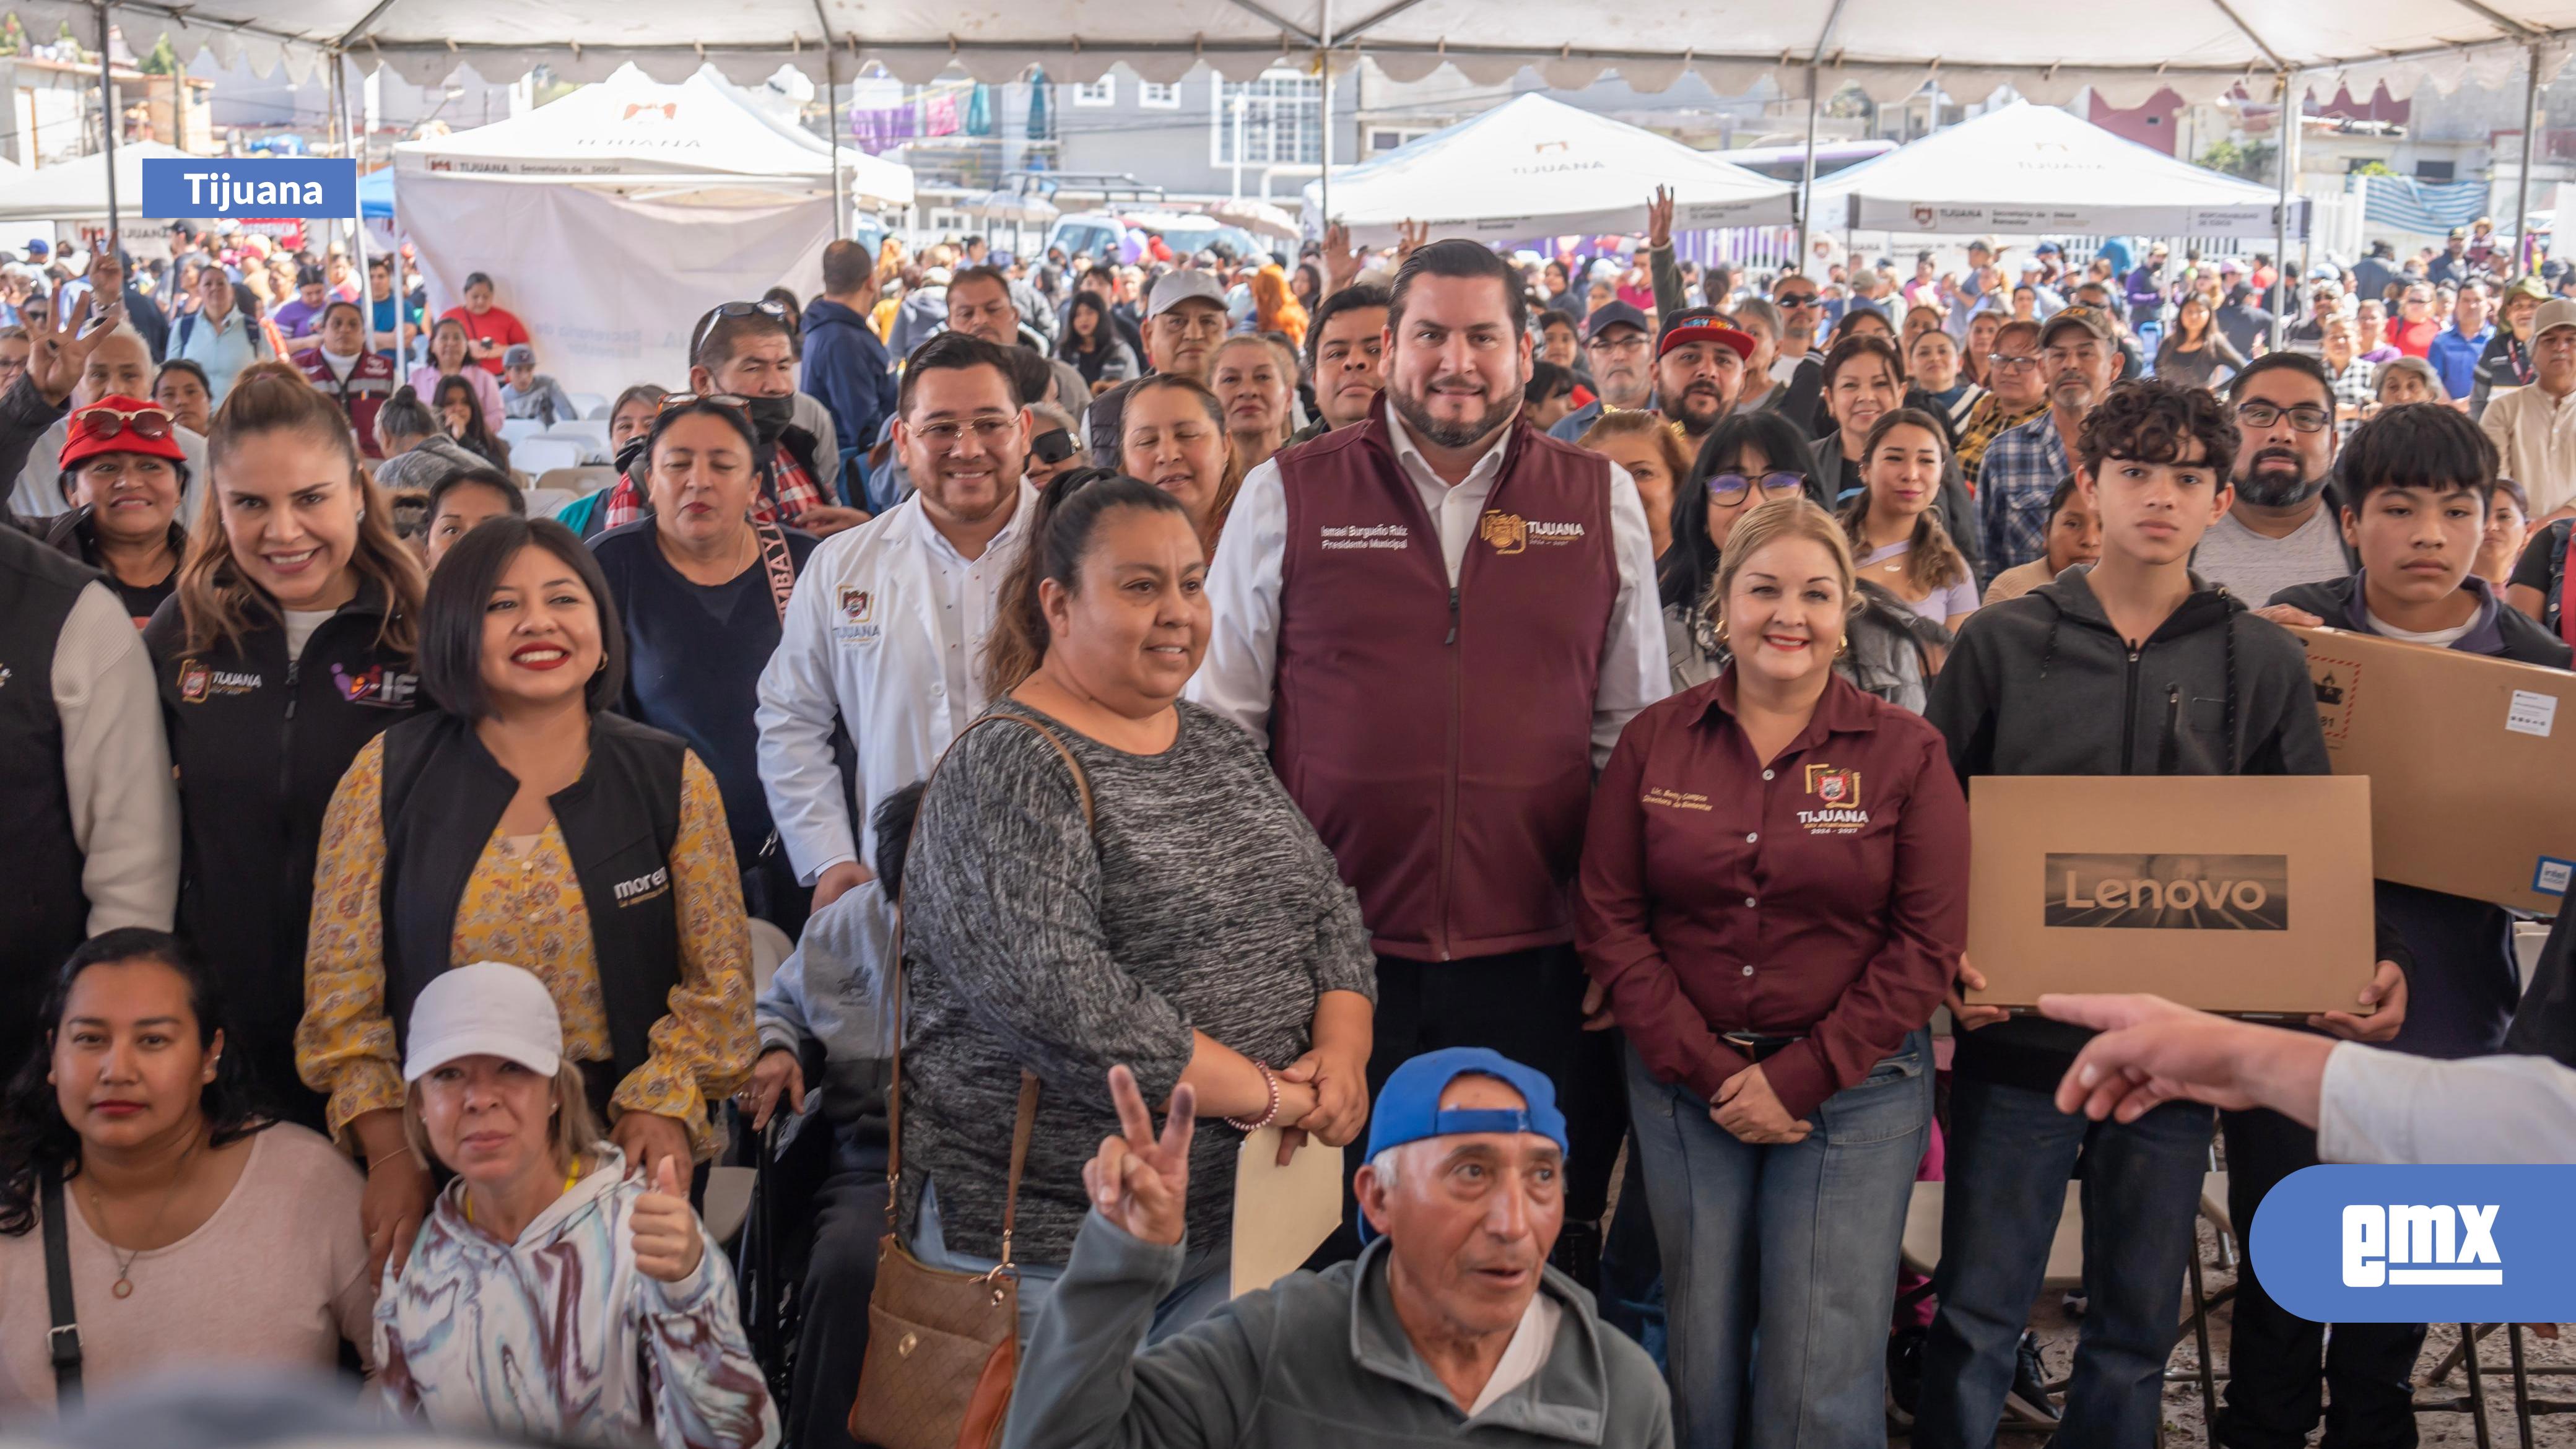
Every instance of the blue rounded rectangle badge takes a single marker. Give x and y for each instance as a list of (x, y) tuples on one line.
[(2419, 1244), (253, 187)]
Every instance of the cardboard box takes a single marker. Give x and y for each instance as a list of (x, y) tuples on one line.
[(2237, 893), (2472, 787)]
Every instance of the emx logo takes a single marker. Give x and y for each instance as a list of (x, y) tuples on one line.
[(2440, 1243), (2419, 1244)]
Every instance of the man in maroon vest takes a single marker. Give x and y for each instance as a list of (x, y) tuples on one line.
[(1439, 620)]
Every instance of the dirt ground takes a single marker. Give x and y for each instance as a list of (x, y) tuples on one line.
[(2185, 1422)]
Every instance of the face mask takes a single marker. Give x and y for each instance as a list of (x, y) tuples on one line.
[(770, 416)]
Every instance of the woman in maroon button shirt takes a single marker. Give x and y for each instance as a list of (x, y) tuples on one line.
[(1773, 896)]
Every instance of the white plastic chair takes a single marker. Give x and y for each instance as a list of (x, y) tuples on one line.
[(591, 436), (547, 502), (514, 430), (535, 456), (579, 482), (588, 404)]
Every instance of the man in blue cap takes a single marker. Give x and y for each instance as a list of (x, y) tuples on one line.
[(1450, 1326)]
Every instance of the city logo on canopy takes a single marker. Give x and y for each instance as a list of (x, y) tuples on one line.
[(1925, 217)]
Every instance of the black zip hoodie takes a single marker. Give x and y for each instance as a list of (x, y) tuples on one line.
[(2044, 685), (260, 741)]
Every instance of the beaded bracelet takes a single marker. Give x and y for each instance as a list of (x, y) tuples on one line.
[(1268, 1117)]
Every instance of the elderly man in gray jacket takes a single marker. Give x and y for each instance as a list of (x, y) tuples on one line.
[(1450, 1327)]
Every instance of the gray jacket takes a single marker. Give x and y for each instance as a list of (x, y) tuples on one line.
[(835, 991), (1888, 640), (1315, 1359)]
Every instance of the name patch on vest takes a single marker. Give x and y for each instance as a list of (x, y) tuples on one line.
[(1510, 533), (197, 683), (642, 888), (1364, 536)]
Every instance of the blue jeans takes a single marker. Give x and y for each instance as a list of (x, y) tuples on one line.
[(1207, 1276), (2010, 1154), (1780, 1262)]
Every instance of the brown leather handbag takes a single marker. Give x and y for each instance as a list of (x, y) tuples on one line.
[(943, 1345)]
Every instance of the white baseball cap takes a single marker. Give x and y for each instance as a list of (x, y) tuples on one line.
[(486, 1009)]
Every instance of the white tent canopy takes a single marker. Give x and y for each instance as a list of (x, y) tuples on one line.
[(75, 191), (634, 132), (2024, 170), (2201, 48), (689, 194), (1536, 167)]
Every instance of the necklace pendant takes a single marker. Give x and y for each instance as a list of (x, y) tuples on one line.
[(124, 1288)]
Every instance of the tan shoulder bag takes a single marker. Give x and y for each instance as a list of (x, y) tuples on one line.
[(943, 1346)]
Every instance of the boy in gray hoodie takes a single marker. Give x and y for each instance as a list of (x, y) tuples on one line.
[(2129, 667)]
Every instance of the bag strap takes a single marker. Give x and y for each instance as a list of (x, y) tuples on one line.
[(782, 568), (64, 1339), (1022, 1129)]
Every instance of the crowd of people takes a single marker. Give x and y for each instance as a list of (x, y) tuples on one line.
[(1508, 722)]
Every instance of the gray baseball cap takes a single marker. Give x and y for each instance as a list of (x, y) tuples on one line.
[(1181, 286)]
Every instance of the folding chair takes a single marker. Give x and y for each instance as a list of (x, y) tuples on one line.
[(1920, 1252)]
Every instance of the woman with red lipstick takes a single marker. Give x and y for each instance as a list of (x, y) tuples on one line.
[(196, 1230), (1895, 524), (287, 645), (525, 823), (1773, 893), (701, 589)]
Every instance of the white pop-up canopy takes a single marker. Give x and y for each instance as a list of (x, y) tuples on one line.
[(611, 219), (75, 191), (2025, 169), (1535, 167)]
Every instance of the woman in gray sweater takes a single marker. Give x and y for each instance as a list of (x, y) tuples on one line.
[(1197, 931)]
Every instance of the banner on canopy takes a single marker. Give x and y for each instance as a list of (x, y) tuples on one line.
[(1899, 218)]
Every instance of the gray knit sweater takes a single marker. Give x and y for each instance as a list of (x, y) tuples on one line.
[(1206, 902)]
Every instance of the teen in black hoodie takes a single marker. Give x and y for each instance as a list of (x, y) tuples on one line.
[(2130, 667)]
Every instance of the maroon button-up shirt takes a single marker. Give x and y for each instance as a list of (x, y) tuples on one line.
[(1824, 894)]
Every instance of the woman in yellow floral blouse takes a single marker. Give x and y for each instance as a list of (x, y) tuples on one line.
[(519, 823)]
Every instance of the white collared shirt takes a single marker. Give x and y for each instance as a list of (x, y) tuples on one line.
[(1236, 677), (883, 635), (2377, 1105)]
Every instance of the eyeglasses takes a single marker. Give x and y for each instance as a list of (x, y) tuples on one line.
[(673, 400), (104, 423), (988, 430), (1730, 489), (2306, 417), (774, 310), (1794, 299), (1622, 346), (2009, 362)]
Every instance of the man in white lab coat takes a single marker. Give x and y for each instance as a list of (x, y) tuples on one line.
[(884, 637)]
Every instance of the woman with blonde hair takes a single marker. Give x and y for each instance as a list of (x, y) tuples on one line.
[(286, 646), (558, 1288), (1275, 307), (1779, 1115), (1173, 435), (1255, 382)]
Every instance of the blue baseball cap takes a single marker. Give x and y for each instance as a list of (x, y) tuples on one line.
[(1408, 1106)]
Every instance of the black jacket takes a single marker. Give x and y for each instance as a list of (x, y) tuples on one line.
[(2500, 632), (2045, 685), (76, 536), (260, 742)]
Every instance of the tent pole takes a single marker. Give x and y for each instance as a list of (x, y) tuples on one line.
[(832, 105), (2524, 255), (355, 136), (2285, 156), (1325, 59), (1807, 173), (107, 117)]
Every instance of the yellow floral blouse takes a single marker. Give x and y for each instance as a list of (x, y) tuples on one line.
[(523, 905)]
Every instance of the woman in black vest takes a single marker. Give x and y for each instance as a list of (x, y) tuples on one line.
[(287, 646), (519, 823), (701, 588)]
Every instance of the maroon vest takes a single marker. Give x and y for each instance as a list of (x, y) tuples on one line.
[(1441, 739)]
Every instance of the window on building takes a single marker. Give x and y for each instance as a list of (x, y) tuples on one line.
[(2435, 171), (1387, 138), (1281, 121), (1102, 92), (1156, 96)]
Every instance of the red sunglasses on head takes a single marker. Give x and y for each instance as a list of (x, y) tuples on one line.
[(104, 423)]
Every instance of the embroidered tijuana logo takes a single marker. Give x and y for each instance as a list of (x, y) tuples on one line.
[(198, 683), (855, 604), (1837, 794), (1511, 533)]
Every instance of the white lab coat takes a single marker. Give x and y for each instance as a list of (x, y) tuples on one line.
[(865, 642)]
